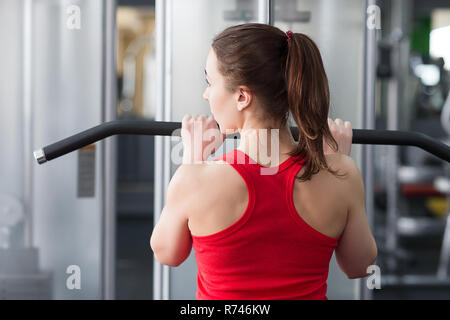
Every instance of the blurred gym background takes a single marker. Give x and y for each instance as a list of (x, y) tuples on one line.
[(68, 65)]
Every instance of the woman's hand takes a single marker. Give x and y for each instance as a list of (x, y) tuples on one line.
[(342, 133), (201, 138)]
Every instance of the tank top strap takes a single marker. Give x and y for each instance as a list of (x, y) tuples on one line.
[(295, 164), (240, 162), (292, 167)]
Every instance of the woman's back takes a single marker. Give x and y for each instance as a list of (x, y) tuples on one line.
[(266, 236), (322, 201)]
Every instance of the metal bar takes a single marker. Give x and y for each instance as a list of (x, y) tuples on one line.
[(166, 128), (160, 26), (167, 115), (391, 161), (444, 257), (370, 48), (28, 121), (271, 12), (266, 11), (108, 160), (442, 271), (263, 14)]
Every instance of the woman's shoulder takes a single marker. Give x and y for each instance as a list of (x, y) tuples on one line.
[(204, 178), (346, 166), (212, 182), (341, 161), (204, 173)]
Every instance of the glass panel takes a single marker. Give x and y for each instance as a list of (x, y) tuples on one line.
[(67, 88), (136, 71), (65, 66)]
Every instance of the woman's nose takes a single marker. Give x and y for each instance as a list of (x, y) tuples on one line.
[(205, 96)]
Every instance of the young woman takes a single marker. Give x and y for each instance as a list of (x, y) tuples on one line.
[(266, 236)]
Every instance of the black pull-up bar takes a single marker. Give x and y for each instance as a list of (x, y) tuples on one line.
[(162, 128)]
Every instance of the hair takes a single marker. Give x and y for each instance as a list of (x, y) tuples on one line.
[(285, 76)]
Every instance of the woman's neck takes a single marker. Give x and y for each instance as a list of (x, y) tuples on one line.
[(267, 146)]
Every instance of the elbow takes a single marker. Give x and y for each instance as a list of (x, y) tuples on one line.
[(167, 262), (357, 275), (157, 251), (153, 245), (162, 257), (365, 269)]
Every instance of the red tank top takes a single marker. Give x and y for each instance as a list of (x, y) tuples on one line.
[(270, 253)]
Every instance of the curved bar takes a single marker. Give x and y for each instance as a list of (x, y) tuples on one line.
[(163, 128)]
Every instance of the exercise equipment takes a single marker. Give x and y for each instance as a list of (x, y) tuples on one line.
[(163, 128)]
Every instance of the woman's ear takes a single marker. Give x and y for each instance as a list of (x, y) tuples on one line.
[(244, 99)]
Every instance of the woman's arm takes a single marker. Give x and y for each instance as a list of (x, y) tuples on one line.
[(171, 240), (357, 248)]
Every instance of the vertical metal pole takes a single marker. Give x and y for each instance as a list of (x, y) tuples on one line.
[(391, 159), (442, 271), (271, 12), (160, 26), (167, 117), (265, 11), (370, 47), (108, 154), (262, 11), (400, 12), (28, 122)]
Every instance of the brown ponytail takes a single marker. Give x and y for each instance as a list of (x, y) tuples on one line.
[(285, 76), (308, 98)]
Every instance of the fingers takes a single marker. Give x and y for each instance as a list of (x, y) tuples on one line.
[(348, 128), (342, 132), (339, 125), (186, 118), (339, 122), (331, 125), (200, 122), (186, 124), (344, 128)]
